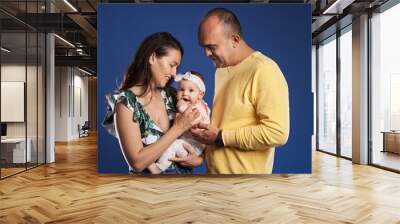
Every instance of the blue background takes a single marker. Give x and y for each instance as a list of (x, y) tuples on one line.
[(280, 31)]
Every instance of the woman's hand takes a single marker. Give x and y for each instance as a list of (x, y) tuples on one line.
[(191, 160), (184, 121)]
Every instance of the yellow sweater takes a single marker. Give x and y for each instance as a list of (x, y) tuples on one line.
[(251, 106)]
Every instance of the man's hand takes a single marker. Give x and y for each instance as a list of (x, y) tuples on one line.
[(205, 133), (191, 160)]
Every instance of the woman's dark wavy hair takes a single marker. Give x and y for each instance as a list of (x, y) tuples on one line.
[(139, 73)]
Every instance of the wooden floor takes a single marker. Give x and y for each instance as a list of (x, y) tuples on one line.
[(8, 171), (387, 159), (5, 172), (70, 191)]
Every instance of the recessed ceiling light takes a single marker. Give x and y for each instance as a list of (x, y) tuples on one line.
[(329, 9), (70, 5), (65, 41), (5, 50), (84, 71)]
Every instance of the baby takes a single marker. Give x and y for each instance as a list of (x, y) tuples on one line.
[(191, 90)]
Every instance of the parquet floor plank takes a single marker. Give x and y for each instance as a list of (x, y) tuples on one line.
[(71, 191)]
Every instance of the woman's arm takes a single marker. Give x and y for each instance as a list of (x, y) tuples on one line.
[(138, 156)]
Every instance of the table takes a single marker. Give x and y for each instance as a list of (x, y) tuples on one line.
[(391, 141), (13, 150)]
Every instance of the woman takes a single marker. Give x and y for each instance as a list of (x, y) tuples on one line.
[(141, 112)]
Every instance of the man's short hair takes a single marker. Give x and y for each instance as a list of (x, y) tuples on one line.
[(227, 17)]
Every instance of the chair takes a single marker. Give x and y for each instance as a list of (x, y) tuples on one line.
[(84, 130)]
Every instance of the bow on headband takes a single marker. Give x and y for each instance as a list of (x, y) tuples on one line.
[(195, 79)]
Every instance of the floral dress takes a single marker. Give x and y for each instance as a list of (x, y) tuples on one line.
[(149, 131)]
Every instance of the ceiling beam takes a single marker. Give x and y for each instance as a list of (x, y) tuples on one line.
[(83, 61), (86, 26)]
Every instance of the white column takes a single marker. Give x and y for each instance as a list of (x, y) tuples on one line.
[(50, 93), (314, 92), (360, 90)]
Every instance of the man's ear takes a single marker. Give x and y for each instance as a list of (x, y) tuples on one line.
[(235, 40), (152, 58)]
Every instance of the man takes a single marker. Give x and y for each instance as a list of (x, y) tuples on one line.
[(250, 114)]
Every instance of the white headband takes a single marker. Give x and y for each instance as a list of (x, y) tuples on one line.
[(194, 78)]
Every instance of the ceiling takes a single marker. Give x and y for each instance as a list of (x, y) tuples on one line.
[(76, 22)]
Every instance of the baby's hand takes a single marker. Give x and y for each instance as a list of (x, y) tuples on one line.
[(182, 105)]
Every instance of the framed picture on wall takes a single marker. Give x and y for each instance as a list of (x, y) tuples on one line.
[(249, 68)]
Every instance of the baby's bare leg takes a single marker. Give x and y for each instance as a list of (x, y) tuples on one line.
[(163, 162), (176, 149)]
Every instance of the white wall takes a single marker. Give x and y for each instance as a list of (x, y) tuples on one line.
[(16, 72), (61, 103), (71, 93), (33, 127), (80, 84), (314, 92)]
